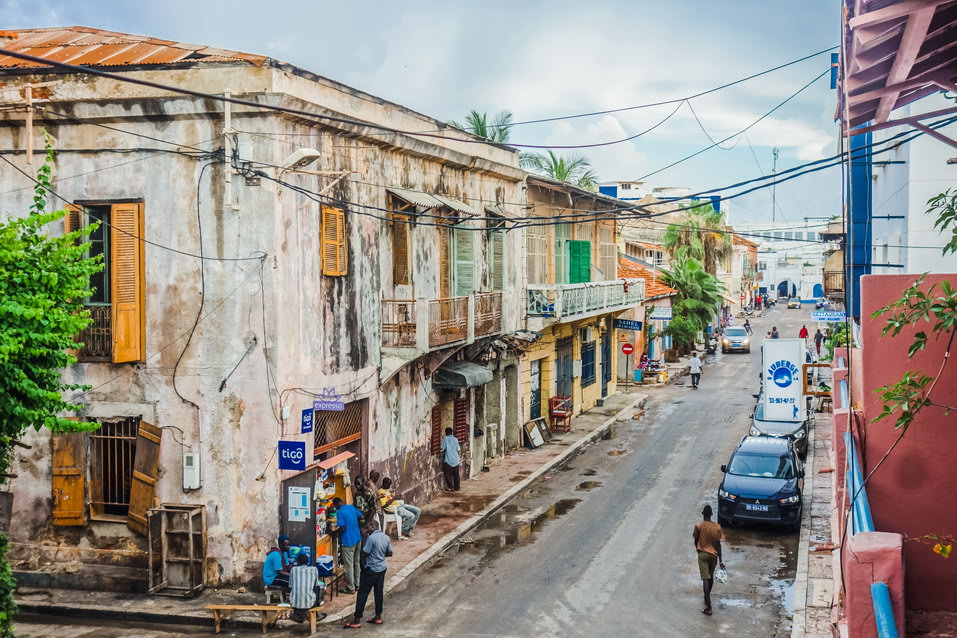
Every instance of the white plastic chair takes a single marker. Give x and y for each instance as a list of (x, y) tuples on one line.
[(392, 517)]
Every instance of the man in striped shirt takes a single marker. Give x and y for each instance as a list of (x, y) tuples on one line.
[(303, 586)]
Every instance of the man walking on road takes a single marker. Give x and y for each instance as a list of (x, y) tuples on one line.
[(803, 333), (707, 542), (375, 550), (818, 338), (695, 367), (451, 461)]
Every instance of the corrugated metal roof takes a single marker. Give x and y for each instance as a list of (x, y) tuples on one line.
[(96, 47), (433, 201)]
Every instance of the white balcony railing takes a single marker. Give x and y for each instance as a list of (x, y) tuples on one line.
[(561, 302)]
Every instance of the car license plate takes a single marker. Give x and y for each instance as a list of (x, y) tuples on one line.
[(754, 507)]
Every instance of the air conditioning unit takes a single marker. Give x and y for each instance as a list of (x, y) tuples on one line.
[(586, 334), (191, 471)]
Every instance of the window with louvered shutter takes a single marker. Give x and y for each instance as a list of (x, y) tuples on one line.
[(127, 285), (496, 259), (445, 262), (579, 261), (461, 426), (464, 260), (435, 440), (607, 253), (401, 235), (335, 250), (536, 247), (563, 233)]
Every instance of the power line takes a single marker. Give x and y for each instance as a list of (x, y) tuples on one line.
[(752, 124)]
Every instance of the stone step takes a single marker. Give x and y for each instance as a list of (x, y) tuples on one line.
[(85, 577), (30, 556)]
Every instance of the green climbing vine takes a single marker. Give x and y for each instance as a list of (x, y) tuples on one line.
[(43, 283)]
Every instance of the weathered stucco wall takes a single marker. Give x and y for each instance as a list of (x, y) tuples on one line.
[(288, 330)]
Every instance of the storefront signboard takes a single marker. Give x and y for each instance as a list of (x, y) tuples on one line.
[(627, 324), (329, 400), (307, 420), (663, 312), (292, 455)]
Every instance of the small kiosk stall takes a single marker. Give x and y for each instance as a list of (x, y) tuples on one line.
[(307, 499)]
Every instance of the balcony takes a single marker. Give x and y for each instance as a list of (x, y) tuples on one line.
[(97, 338), (552, 303), (410, 325), (834, 283)]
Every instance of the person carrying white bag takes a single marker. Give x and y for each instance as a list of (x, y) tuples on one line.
[(707, 542)]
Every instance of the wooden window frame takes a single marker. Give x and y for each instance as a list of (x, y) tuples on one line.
[(495, 241), (334, 242), (401, 237), (101, 462), (127, 278)]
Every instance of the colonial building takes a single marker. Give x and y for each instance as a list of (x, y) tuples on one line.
[(259, 258), (574, 294)]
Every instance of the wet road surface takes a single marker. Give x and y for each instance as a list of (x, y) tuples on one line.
[(603, 545)]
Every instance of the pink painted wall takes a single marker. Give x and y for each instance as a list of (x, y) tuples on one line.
[(911, 493), (871, 557)]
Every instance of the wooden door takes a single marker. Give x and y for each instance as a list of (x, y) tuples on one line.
[(69, 479), (145, 471)]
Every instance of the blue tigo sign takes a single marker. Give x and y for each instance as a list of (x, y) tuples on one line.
[(328, 400), (292, 455), (307, 420), (828, 315), (628, 324)]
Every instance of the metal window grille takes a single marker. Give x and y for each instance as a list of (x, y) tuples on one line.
[(97, 338), (588, 363), (113, 447), (335, 429)]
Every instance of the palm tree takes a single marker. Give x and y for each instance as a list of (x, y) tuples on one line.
[(702, 237), (572, 170), (495, 130), (698, 298)]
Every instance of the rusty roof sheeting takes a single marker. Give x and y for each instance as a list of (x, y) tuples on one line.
[(95, 47)]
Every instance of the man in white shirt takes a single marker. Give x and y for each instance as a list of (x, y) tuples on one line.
[(451, 461), (304, 588), (695, 365)]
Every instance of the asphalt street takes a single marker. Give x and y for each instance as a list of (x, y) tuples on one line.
[(603, 545)]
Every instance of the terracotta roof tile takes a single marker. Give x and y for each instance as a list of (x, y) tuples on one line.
[(95, 47), (654, 287)]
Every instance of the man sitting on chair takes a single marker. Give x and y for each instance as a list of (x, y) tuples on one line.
[(392, 505), (277, 565)]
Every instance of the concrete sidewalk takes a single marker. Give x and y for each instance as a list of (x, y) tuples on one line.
[(443, 522)]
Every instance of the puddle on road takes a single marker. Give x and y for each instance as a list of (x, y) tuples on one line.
[(617, 452), (589, 472), (738, 603), (609, 434), (588, 485)]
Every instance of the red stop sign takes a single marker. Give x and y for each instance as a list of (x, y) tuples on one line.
[(627, 348)]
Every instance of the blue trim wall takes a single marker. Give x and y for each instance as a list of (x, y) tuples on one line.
[(858, 254)]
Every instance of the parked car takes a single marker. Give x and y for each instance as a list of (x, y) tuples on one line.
[(795, 431), (794, 302), (735, 338), (762, 483)]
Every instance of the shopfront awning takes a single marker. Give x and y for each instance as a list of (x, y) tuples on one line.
[(461, 374), (730, 300)]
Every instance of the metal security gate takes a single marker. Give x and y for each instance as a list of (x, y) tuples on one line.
[(606, 360), (535, 410), (341, 431), (563, 368)]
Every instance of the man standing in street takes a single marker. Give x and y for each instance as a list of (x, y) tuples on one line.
[(376, 549), (451, 461), (347, 520), (707, 542), (695, 366), (818, 338)]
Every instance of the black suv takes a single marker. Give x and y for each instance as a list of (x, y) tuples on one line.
[(762, 483)]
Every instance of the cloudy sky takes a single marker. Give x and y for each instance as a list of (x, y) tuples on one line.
[(541, 59)]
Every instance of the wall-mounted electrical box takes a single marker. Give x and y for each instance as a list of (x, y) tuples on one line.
[(191, 471)]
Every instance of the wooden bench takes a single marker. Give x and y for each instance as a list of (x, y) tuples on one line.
[(268, 614)]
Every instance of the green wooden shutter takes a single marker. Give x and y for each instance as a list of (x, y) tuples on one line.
[(496, 259), (579, 261), (464, 262)]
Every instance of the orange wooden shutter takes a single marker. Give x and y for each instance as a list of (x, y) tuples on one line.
[(445, 263), (435, 441), (335, 253), (461, 425), (73, 220), (69, 479), (127, 284), (145, 471)]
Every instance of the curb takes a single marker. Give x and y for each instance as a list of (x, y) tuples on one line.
[(467, 526), (799, 615)]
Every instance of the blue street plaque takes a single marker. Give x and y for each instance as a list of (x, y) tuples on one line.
[(663, 312), (628, 324), (307, 420), (292, 455)]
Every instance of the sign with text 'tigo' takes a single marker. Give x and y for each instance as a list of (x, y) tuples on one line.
[(292, 455), (628, 324), (307, 421), (783, 361), (833, 316)]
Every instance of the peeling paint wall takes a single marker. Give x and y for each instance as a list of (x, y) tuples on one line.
[(277, 328)]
